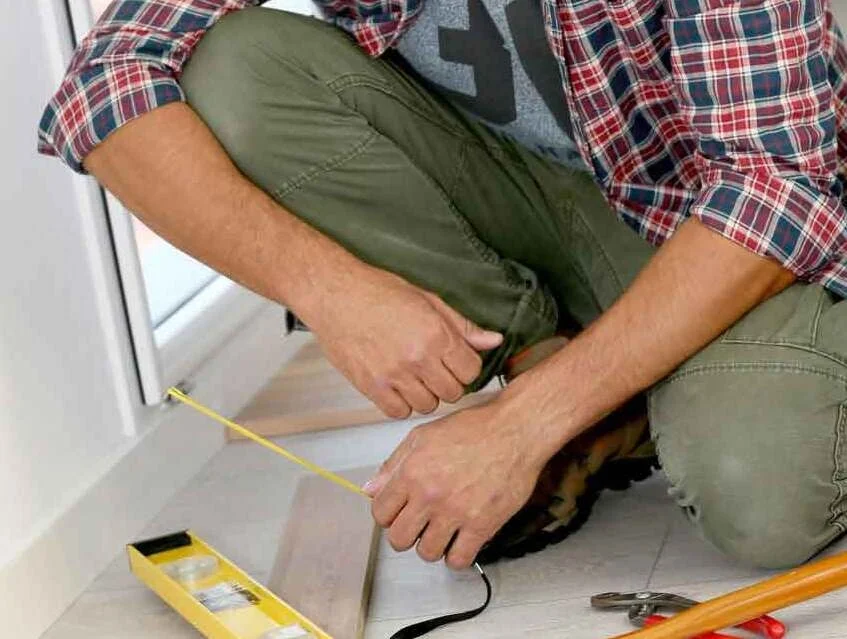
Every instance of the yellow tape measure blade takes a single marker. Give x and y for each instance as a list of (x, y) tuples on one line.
[(279, 450)]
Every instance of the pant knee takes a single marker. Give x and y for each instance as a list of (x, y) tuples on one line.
[(218, 84), (768, 550), (753, 530), (262, 81), (750, 511), (752, 453)]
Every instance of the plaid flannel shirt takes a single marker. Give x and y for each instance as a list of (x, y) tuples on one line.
[(733, 111)]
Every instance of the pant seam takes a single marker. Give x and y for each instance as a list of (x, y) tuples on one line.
[(736, 367), (458, 172), (332, 163), (816, 320), (353, 80), (838, 475), (578, 212), (571, 255), (787, 344)]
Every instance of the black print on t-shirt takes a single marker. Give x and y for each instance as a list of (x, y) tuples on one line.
[(481, 47)]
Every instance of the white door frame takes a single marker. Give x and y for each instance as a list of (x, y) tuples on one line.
[(167, 354)]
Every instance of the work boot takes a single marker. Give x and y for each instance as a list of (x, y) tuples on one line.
[(613, 454)]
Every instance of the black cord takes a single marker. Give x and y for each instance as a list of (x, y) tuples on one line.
[(423, 627)]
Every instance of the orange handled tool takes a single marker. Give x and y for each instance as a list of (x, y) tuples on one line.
[(642, 608), (793, 587), (652, 620), (766, 627)]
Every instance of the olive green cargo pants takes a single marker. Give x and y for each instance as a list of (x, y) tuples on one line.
[(752, 432)]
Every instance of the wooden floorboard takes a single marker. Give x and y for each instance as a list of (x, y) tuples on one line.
[(325, 563), (308, 394)]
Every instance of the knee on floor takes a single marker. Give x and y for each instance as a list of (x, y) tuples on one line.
[(765, 535), (752, 452), (764, 524)]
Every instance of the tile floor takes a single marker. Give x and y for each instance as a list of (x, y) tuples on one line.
[(634, 540)]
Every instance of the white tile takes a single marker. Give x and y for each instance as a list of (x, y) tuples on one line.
[(124, 614), (686, 554), (616, 550), (239, 503), (571, 618)]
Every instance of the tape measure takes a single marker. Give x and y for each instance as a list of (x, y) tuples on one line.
[(212, 593), (222, 601)]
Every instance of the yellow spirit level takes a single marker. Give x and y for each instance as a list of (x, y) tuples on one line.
[(213, 594)]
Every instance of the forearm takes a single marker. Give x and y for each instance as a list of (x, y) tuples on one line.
[(696, 287), (169, 169)]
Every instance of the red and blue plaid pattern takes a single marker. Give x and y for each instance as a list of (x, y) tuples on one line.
[(734, 111)]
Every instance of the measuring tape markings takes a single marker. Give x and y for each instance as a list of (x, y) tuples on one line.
[(410, 632)]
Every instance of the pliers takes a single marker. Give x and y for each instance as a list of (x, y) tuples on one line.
[(643, 607)]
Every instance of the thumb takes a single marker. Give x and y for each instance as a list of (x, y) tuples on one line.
[(375, 484), (479, 339)]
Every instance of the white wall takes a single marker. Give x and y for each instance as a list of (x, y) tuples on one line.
[(59, 416), (840, 8), (73, 487)]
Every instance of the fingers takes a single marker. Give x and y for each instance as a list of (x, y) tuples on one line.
[(462, 360), (417, 395), (407, 528), (464, 363), (383, 476), (479, 338), (435, 539), (390, 402), (387, 504), (443, 383), (465, 548)]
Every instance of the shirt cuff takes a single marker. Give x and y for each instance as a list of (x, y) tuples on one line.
[(786, 219), (98, 100)]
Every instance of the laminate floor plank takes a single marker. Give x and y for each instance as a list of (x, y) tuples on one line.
[(325, 563)]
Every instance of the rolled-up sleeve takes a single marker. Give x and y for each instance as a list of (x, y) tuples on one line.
[(125, 67), (376, 25), (753, 79)]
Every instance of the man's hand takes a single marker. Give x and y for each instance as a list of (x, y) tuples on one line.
[(401, 346), (465, 475), (452, 483)]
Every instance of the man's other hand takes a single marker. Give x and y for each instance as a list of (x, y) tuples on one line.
[(401, 346), (452, 483)]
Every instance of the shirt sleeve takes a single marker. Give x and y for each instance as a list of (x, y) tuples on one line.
[(376, 25), (125, 67), (754, 80)]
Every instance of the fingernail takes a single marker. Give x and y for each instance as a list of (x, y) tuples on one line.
[(369, 487)]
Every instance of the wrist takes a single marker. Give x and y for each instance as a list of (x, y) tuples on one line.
[(543, 430), (320, 291)]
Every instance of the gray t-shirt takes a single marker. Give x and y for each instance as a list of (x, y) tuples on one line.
[(491, 59)]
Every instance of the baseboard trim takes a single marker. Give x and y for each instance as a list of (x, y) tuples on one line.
[(131, 487)]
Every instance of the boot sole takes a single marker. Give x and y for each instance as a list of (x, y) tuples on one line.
[(616, 475)]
